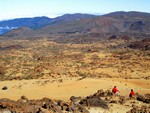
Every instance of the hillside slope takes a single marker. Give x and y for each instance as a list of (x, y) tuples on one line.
[(113, 23), (110, 23), (38, 22)]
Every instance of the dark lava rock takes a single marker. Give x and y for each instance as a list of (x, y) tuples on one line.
[(142, 109), (122, 100), (24, 97), (81, 109), (141, 98), (5, 88), (50, 105), (75, 99), (101, 93), (60, 103), (144, 98), (94, 102), (147, 98), (108, 93), (114, 101), (147, 101)]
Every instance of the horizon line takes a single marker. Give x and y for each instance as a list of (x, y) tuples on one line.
[(58, 15)]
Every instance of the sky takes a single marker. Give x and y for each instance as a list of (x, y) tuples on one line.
[(10, 9)]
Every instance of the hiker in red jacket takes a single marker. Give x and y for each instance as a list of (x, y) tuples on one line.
[(115, 91), (131, 93)]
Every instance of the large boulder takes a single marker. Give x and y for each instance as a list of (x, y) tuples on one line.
[(94, 102), (75, 99), (147, 98), (144, 98), (101, 93)]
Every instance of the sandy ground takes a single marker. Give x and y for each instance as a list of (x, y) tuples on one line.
[(114, 109), (64, 89)]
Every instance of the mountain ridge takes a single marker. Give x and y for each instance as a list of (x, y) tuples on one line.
[(38, 22), (109, 23), (113, 23)]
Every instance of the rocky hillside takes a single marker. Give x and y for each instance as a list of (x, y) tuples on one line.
[(134, 21), (38, 22), (20, 33), (94, 25), (33, 23), (110, 23)]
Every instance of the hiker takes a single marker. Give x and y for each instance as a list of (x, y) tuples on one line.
[(131, 93), (115, 91)]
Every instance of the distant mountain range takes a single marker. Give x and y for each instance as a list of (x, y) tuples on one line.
[(116, 22), (38, 22)]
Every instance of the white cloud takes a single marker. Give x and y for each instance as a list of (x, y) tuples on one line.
[(7, 28)]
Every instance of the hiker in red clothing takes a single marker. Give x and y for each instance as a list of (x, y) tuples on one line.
[(115, 91), (131, 93)]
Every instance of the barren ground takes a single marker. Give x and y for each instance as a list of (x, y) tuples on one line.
[(58, 71), (63, 89)]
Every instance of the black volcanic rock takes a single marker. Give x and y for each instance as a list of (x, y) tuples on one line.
[(94, 102), (5, 88), (144, 98)]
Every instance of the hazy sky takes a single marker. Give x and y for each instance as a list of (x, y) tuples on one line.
[(52, 8)]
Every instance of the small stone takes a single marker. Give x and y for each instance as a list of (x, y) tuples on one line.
[(5, 88)]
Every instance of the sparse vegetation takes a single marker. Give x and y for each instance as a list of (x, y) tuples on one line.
[(44, 58)]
